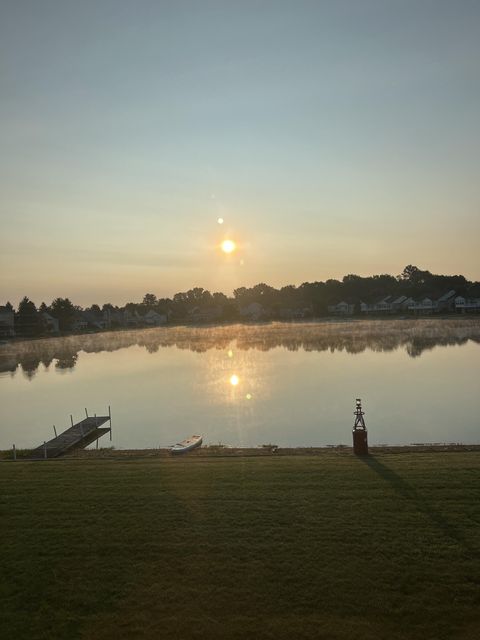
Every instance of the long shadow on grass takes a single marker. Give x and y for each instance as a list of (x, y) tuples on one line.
[(404, 489)]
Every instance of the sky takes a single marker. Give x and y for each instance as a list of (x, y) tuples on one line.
[(332, 138)]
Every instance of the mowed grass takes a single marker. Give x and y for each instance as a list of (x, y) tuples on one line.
[(327, 546)]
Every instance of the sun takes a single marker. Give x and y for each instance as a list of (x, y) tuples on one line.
[(228, 246), (234, 380)]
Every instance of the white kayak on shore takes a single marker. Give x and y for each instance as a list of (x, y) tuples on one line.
[(187, 445)]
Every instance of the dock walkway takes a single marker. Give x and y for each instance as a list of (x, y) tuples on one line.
[(79, 435)]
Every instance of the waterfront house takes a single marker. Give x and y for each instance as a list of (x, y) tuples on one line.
[(154, 319), (343, 308), (383, 305), (51, 325), (253, 311), (447, 301), (401, 303), (465, 305), (80, 323), (423, 305)]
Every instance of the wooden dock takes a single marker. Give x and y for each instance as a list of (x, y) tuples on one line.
[(78, 436)]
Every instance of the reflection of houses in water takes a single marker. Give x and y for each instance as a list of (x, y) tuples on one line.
[(415, 336), (8, 362)]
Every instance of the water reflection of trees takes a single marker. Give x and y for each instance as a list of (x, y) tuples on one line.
[(415, 336)]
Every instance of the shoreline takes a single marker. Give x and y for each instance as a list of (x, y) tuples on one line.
[(6, 340), (215, 451)]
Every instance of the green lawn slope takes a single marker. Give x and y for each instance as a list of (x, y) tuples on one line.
[(327, 546)]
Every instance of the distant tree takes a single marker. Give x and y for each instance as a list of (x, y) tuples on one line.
[(27, 320), (149, 300), (9, 306), (64, 311), (414, 276), (43, 308), (133, 308), (95, 308)]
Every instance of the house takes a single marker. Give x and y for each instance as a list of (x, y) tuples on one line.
[(447, 301), (253, 311), (7, 323), (423, 305), (383, 305), (80, 323), (154, 319), (50, 324), (464, 304), (401, 303), (113, 318), (343, 308), (95, 321), (89, 321), (131, 319)]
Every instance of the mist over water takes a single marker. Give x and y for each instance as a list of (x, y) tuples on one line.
[(287, 384)]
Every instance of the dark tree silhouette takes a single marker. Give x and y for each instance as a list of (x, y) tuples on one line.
[(27, 322)]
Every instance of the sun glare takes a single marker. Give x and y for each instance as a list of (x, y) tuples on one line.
[(228, 246), (234, 380)]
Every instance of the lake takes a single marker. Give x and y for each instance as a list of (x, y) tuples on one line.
[(290, 384)]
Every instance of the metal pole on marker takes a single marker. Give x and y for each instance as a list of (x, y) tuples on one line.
[(54, 431)]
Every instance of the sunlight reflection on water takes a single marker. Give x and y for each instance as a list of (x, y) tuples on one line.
[(288, 384)]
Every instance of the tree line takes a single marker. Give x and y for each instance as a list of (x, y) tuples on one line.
[(311, 298)]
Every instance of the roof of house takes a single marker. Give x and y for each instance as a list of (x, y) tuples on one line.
[(446, 296)]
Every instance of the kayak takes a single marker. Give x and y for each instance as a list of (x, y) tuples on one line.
[(187, 445)]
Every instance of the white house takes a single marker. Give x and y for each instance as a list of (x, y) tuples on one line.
[(423, 305), (464, 304)]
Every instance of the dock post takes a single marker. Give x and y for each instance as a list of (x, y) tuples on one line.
[(54, 431), (110, 416), (14, 452), (86, 412), (44, 449), (97, 443), (71, 419)]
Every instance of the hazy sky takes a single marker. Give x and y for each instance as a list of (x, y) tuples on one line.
[(332, 137)]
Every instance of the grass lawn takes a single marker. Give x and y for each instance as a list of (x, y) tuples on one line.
[(325, 546)]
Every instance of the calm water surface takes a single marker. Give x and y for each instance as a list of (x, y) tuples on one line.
[(287, 384)]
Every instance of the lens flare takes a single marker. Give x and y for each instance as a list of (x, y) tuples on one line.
[(220, 220), (234, 380), (228, 246)]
